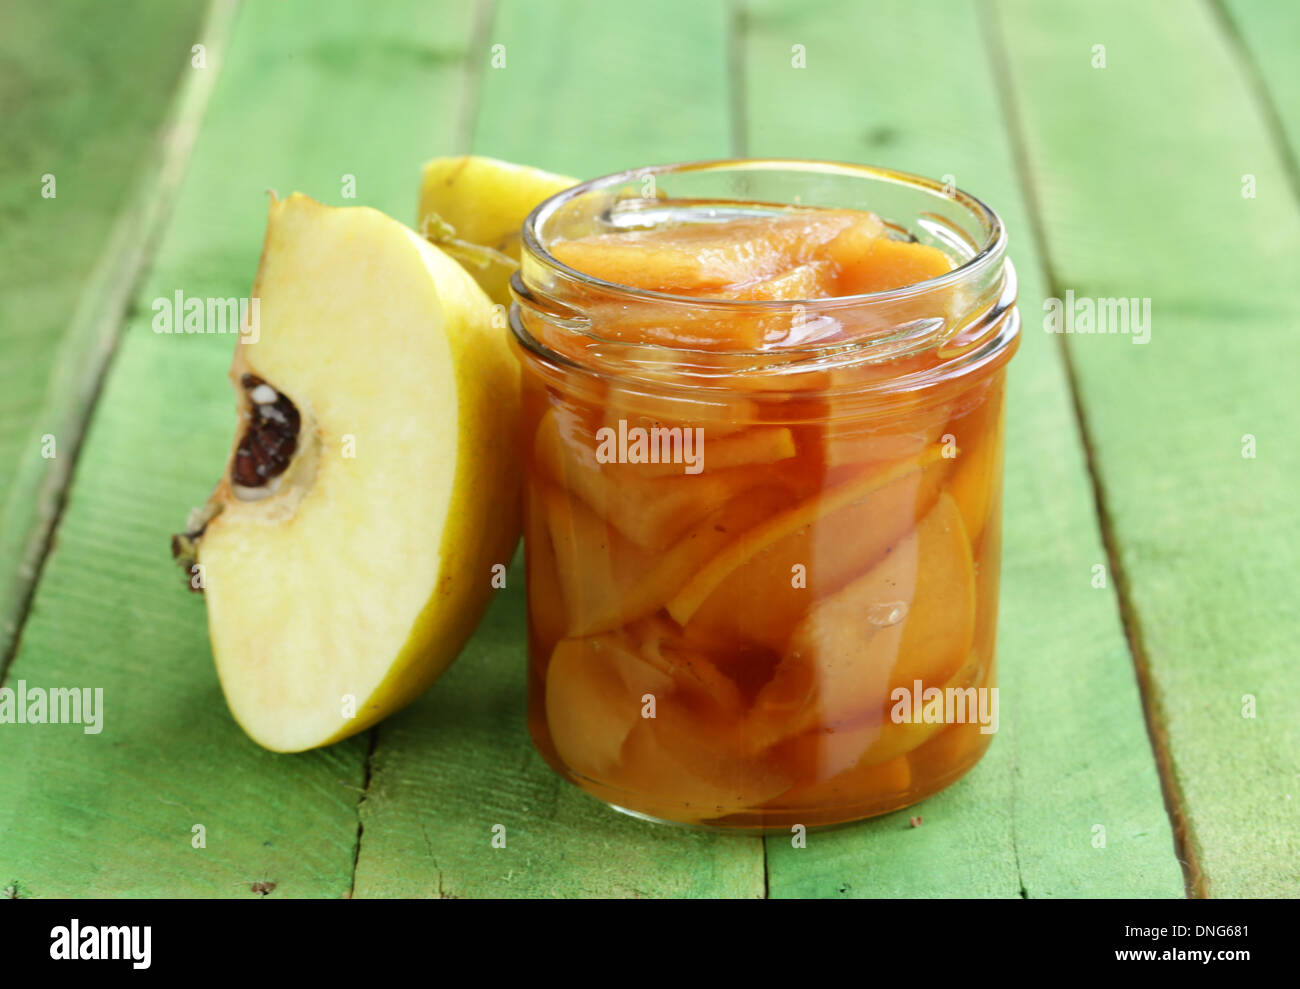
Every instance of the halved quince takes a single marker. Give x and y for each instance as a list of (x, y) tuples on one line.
[(348, 548)]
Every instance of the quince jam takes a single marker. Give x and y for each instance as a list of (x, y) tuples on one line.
[(763, 513)]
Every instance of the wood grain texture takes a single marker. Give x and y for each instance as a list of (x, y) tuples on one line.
[(308, 95), (460, 761), (910, 86), (87, 116), (1140, 191)]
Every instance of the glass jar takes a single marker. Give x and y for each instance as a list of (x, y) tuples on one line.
[(763, 581)]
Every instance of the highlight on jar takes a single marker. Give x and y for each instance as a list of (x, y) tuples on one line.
[(763, 417)]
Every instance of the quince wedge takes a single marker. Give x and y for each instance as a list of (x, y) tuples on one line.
[(347, 553), (760, 602), (911, 617), (772, 531)]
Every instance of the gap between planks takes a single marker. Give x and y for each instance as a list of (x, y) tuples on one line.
[(467, 110), (1153, 714), (95, 327), (472, 89), (371, 744), (1259, 91), (736, 106)]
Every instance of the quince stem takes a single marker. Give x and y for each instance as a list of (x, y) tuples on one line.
[(438, 231)]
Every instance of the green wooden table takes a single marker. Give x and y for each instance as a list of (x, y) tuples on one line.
[(1150, 741)]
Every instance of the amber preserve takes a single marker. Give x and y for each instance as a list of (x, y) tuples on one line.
[(763, 421)]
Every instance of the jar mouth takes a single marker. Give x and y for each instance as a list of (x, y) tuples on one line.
[(974, 238), (986, 255)]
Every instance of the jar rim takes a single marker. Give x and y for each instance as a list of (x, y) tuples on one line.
[(987, 255)]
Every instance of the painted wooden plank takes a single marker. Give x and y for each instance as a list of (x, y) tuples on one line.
[(1141, 194), (624, 90), (1270, 36), (308, 95), (460, 805), (911, 86), (81, 124), (460, 762)]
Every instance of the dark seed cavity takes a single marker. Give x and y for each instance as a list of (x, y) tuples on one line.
[(269, 441)]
